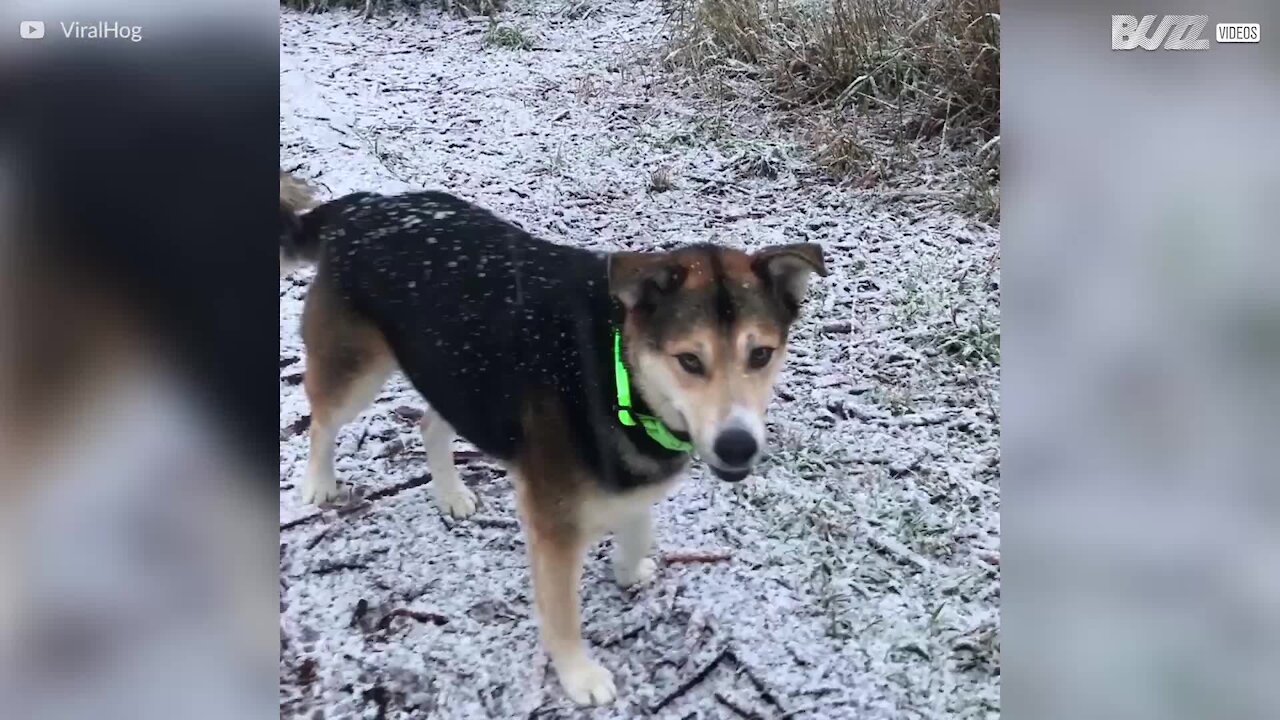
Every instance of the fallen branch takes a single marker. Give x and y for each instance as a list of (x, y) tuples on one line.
[(297, 427), (301, 521), (338, 567), (399, 487), (318, 537), (816, 706), (760, 687), (922, 420), (614, 640), (898, 551), (737, 710), (359, 503), (696, 556), (498, 522), (688, 685), (420, 615)]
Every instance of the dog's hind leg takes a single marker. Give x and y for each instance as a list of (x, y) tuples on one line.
[(453, 498), (347, 362), (331, 409)]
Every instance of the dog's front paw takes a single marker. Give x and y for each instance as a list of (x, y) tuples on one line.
[(320, 490), (587, 682), (457, 503), (641, 574)]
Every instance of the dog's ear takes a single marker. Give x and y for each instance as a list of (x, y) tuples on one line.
[(788, 267), (634, 276)]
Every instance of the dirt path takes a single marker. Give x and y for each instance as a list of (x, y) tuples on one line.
[(862, 577)]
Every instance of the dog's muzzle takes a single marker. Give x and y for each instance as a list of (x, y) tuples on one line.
[(731, 475)]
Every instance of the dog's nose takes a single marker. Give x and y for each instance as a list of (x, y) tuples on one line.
[(735, 447)]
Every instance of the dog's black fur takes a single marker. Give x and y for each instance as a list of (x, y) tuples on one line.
[(484, 319)]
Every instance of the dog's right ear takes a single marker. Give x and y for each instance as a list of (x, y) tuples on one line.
[(635, 276)]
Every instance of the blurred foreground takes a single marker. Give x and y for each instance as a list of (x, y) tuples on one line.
[(1141, 505), (137, 323)]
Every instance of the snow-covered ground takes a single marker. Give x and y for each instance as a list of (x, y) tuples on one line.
[(859, 570)]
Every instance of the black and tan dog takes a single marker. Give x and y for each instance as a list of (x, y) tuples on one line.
[(591, 376)]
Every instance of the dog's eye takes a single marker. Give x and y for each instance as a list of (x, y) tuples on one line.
[(690, 363), (759, 357)]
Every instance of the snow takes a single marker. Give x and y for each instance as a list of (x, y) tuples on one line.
[(863, 570)]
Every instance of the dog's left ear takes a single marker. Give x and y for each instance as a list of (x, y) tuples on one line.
[(788, 268), (633, 276)]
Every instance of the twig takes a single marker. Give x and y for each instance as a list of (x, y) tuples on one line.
[(909, 193), (338, 567), (376, 495), (377, 155), (461, 455), (399, 487), (922, 420), (737, 710), (297, 427), (761, 688), (691, 682), (498, 522), (419, 615), (301, 521), (712, 180), (696, 556), (986, 147), (815, 706), (610, 642), (897, 551), (318, 537), (358, 613)]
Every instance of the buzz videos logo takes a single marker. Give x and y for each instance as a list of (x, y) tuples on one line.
[(1176, 32)]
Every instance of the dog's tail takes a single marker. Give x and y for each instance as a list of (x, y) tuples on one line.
[(298, 244)]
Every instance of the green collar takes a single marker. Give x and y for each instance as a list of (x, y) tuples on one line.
[(654, 427)]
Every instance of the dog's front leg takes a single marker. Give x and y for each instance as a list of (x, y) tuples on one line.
[(632, 540), (556, 553)]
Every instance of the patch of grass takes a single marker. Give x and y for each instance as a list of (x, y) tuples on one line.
[(978, 649), (703, 131), (954, 318), (981, 196), (841, 151), (661, 179), (579, 9), (920, 69), (896, 400), (914, 303), (973, 344), (509, 36), (761, 162), (460, 8), (585, 88), (940, 56)]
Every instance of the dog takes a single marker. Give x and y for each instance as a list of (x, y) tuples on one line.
[(592, 377)]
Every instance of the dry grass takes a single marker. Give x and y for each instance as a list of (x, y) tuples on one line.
[(509, 36), (919, 69), (371, 7)]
